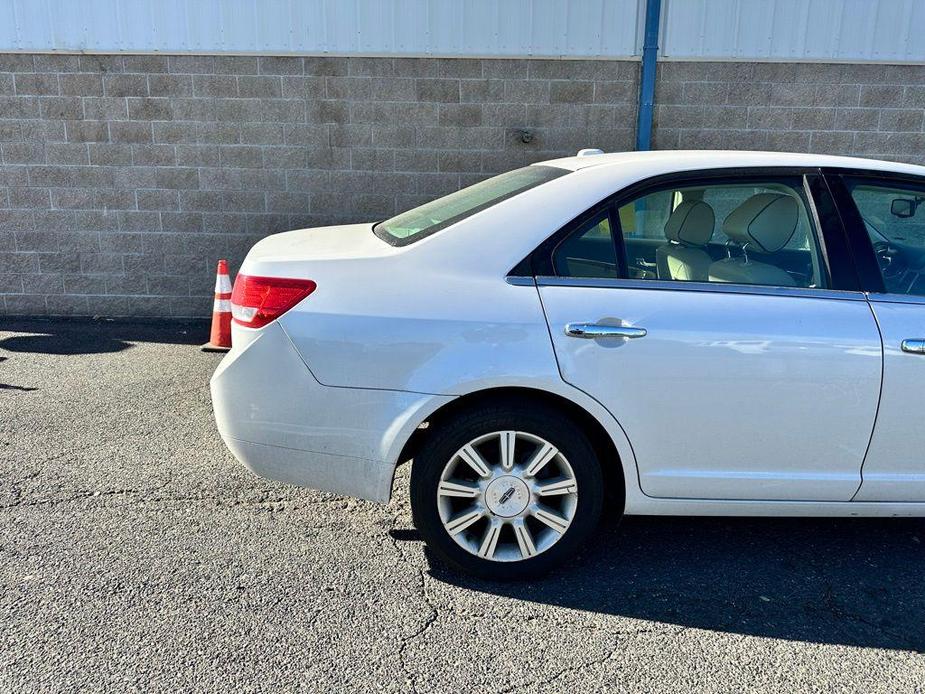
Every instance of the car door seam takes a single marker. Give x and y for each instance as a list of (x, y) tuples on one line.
[(873, 428), (555, 355)]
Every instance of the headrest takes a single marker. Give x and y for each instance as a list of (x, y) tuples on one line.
[(691, 223), (765, 221)]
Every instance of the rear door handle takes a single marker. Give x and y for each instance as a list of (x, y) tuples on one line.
[(915, 346), (591, 331)]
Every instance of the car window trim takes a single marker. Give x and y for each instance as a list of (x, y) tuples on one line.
[(828, 236), (893, 298), (700, 287), (833, 240)]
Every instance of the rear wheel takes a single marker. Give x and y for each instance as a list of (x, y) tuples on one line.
[(506, 492)]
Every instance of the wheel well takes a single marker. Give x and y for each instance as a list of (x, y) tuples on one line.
[(598, 437)]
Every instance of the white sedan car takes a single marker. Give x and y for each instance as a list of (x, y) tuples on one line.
[(678, 333)]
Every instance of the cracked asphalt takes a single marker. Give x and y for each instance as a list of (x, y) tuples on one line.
[(137, 554)]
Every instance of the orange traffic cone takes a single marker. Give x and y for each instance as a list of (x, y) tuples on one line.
[(220, 337)]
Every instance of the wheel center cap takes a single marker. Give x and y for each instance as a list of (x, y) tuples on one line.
[(507, 496)]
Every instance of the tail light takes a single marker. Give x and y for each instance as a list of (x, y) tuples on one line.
[(256, 301)]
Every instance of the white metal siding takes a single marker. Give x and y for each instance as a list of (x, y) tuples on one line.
[(571, 28), (842, 30), (845, 30)]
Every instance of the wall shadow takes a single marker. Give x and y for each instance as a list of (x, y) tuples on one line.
[(854, 582), (62, 336)]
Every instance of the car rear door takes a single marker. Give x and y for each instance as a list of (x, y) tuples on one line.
[(885, 219), (725, 390)]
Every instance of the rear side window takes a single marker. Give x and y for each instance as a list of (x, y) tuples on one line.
[(756, 232), (427, 219), (646, 218), (718, 230), (589, 251)]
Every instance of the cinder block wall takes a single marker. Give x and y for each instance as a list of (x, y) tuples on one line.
[(124, 178), (866, 110)]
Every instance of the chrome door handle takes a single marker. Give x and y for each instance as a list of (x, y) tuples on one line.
[(916, 346), (594, 330)]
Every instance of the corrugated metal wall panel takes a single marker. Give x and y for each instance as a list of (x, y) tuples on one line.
[(848, 30), (843, 30), (571, 28)]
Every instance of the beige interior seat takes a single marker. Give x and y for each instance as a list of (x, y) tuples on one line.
[(688, 230), (764, 223)]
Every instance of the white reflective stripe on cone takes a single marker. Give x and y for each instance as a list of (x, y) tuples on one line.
[(222, 284), (221, 306)]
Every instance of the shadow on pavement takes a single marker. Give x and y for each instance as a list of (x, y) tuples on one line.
[(405, 534), (855, 582), (8, 386), (64, 336)]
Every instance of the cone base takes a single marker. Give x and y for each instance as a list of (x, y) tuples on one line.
[(209, 347)]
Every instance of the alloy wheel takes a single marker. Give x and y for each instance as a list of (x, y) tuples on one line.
[(507, 496)]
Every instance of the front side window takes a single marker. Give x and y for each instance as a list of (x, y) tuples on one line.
[(438, 214), (894, 217), (743, 233)]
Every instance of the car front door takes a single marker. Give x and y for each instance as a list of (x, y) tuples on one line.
[(885, 217), (744, 363)]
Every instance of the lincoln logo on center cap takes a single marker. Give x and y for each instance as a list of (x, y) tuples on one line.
[(507, 495)]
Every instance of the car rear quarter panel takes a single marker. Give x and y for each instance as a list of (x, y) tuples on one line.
[(446, 335)]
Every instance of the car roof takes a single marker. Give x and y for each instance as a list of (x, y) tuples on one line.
[(690, 160)]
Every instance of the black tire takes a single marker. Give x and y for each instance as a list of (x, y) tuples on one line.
[(452, 434)]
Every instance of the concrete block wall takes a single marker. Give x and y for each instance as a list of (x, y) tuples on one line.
[(124, 178), (865, 110)]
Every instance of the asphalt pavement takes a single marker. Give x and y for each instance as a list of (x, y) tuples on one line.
[(137, 555)]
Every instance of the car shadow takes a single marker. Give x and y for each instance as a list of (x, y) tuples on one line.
[(64, 336), (855, 582), (10, 386)]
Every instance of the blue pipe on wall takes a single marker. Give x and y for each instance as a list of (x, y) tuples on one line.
[(645, 111)]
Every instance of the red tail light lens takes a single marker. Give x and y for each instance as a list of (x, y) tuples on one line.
[(256, 301)]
